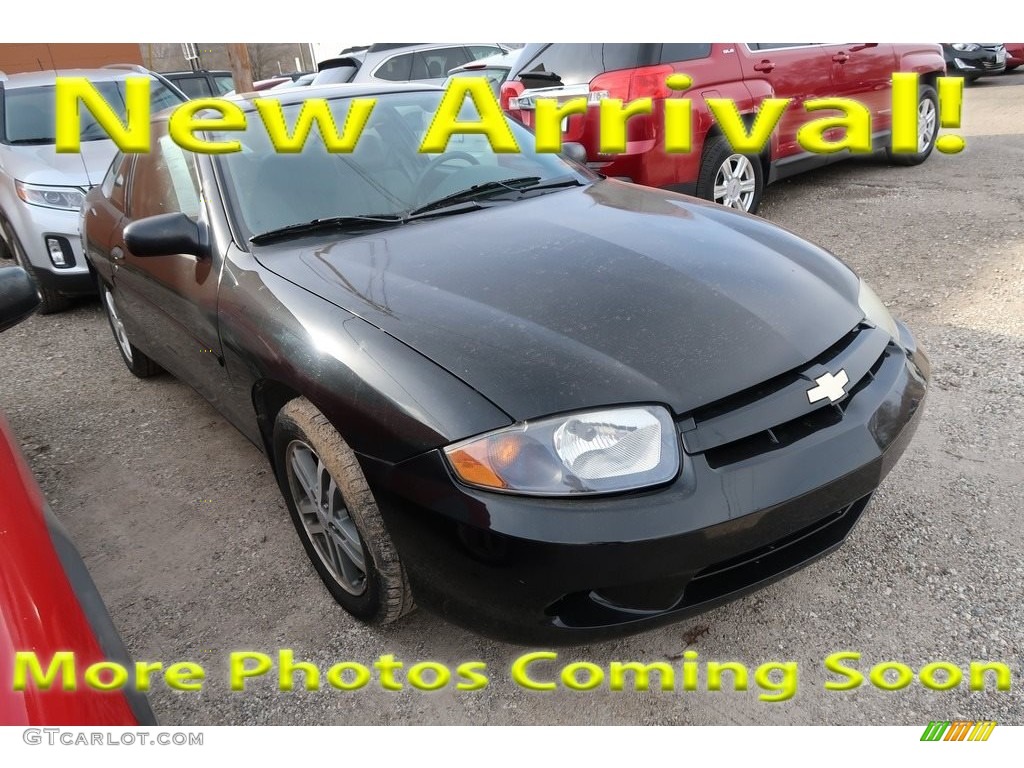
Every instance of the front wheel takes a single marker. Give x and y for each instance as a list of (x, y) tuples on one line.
[(927, 129), (50, 301), (729, 178), (136, 361), (337, 517)]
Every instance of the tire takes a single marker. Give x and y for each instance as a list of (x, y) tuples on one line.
[(927, 120), (50, 301), (136, 361), (342, 531), (719, 165)]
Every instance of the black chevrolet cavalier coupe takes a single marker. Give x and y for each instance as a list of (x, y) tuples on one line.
[(548, 405)]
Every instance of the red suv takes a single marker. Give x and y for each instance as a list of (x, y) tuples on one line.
[(743, 72)]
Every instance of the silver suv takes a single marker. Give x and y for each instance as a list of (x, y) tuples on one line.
[(41, 191), (423, 62)]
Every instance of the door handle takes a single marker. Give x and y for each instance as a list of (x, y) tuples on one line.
[(841, 58), (764, 66), (116, 254)]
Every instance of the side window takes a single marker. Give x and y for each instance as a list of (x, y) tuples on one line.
[(194, 87), (482, 51), (396, 68), (164, 180), (773, 46), (672, 52), (433, 64), (108, 181), (224, 84), (119, 172), (579, 63)]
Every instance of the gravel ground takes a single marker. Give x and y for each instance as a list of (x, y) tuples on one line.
[(181, 524)]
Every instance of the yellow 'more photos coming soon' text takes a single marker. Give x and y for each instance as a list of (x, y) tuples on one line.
[(539, 671)]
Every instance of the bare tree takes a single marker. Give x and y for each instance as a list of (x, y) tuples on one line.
[(258, 60)]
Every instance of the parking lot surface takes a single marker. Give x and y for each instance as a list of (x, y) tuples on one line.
[(182, 526)]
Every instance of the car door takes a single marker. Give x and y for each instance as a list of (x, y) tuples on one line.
[(797, 71), (171, 300), (863, 72), (101, 217)]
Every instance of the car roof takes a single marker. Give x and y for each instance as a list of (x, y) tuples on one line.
[(49, 76), (337, 90), (198, 72)]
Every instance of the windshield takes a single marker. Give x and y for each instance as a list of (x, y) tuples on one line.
[(30, 113), (385, 175)]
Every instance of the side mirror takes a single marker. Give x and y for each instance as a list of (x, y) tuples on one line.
[(862, 46), (166, 234), (18, 296), (575, 151)]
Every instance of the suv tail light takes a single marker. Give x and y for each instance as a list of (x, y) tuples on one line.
[(507, 97), (629, 84)]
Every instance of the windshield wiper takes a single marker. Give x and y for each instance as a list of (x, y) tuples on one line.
[(343, 223), (458, 202), (518, 184), (33, 141), (476, 192)]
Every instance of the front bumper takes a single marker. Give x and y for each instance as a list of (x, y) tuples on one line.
[(32, 226), (976, 64), (535, 570)]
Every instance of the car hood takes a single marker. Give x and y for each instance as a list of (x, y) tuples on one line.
[(44, 165), (608, 294)]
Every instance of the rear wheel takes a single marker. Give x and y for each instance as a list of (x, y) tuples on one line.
[(729, 178), (337, 517), (138, 363), (927, 128)]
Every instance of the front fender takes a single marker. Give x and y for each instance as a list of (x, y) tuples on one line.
[(924, 59), (387, 400)]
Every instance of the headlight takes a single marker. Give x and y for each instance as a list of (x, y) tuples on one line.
[(614, 449), (965, 46), (874, 310), (62, 198)]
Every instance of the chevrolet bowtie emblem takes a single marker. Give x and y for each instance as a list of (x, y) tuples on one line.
[(832, 387)]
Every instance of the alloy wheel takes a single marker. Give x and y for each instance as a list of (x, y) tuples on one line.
[(325, 517), (115, 321), (735, 183), (926, 118)]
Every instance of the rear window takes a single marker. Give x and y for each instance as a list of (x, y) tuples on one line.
[(194, 87), (396, 68), (579, 63), (673, 52), (773, 46)]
